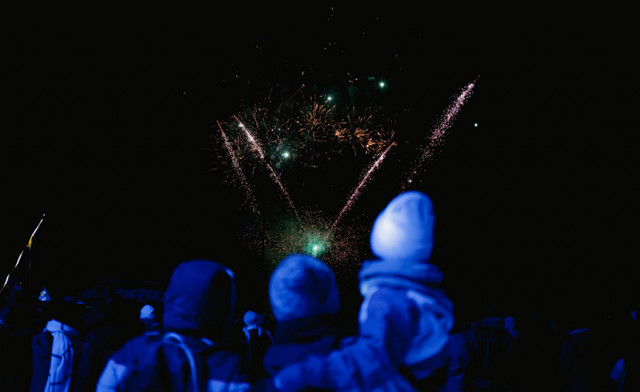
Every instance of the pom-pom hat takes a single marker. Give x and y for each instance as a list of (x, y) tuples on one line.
[(404, 229)]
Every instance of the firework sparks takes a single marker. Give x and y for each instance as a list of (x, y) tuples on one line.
[(363, 182), (238, 169), (312, 235), (272, 172), (290, 141), (439, 132)]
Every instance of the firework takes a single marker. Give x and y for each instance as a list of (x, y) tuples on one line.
[(437, 135), (365, 179), (304, 132), (312, 234), (274, 176), (298, 141), (250, 199)]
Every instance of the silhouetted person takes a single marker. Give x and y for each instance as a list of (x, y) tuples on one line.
[(256, 340), (581, 361), (536, 354), (17, 327), (490, 362), (626, 372), (113, 322), (193, 353), (150, 318), (57, 349), (510, 326), (457, 352)]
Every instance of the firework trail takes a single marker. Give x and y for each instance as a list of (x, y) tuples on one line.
[(438, 133), (272, 172), (363, 182), (236, 165)]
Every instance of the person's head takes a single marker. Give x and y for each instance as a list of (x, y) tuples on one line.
[(147, 312), (200, 299), (403, 231), (149, 317), (509, 322), (252, 318), (303, 286)]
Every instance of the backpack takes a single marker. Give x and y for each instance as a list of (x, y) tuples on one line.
[(170, 363), (489, 360)]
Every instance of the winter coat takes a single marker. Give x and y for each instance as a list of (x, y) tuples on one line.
[(157, 362), (100, 344), (580, 363), (297, 339), (404, 322), (42, 344), (193, 354)]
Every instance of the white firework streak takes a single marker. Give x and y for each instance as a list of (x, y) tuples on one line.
[(439, 132), (363, 182), (243, 179), (272, 172)]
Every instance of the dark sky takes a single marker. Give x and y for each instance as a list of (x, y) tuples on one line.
[(108, 123)]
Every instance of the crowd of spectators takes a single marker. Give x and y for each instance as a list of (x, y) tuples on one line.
[(408, 335)]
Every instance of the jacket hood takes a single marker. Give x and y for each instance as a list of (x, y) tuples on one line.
[(200, 299), (423, 277), (401, 270)]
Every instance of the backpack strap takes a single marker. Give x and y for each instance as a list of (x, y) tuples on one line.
[(178, 341)]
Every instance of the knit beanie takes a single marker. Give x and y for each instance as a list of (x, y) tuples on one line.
[(404, 229), (303, 286)]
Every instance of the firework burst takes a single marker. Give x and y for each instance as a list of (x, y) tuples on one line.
[(301, 141)]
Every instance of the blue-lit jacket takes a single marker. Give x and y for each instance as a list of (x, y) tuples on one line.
[(297, 339), (192, 354), (219, 369), (404, 323)]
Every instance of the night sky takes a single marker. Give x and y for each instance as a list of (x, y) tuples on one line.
[(108, 126)]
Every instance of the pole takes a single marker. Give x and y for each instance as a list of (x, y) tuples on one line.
[(20, 257), (29, 284)]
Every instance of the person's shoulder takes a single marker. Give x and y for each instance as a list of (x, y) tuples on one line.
[(136, 344), (388, 302), (226, 364)]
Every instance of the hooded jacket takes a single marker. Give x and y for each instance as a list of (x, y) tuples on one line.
[(198, 307)]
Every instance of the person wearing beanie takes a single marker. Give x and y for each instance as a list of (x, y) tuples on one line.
[(404, 319), (254, 322), (149, 318), (193, 352), (305, 301), (257, 339)]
